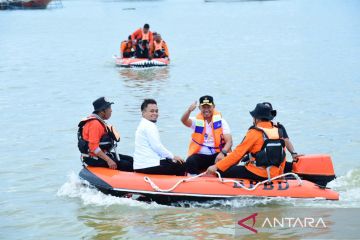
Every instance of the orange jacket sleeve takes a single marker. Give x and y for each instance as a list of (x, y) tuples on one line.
[(244, 147), (137, 34), (95, 131)]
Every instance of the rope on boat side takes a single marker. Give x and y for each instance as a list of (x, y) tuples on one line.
[(259, 183), (158, 189)]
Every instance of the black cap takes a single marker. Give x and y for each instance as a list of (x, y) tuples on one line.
[(147, 26), (101, 104), (209, 100), (263, 111)]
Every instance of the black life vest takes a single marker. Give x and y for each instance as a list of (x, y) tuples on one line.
[(107, 141), (272, 152)]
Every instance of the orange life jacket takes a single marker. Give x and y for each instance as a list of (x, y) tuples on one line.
[(272, 134), (158, 46), (198, 136), (106, 141), (145, 36), (126, 46)]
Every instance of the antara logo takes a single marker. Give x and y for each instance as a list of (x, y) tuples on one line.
[(284, 222), (241, 222)]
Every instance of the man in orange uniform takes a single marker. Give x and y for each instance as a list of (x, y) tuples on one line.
[(142, 39), (265, 146), (127, 48), (142, 34), (96, 139), (159, 47)]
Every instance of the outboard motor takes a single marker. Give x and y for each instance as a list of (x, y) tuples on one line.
[(315, 168)]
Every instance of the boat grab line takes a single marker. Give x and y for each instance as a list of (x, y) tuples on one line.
[(158, 189)]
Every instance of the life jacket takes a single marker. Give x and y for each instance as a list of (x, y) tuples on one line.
[(128, 46), (107, 141), (145, 36), (198, 136), (272, 152), (158, 46)]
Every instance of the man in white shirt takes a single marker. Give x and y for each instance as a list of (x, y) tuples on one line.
[(150, 155), (211, 139)]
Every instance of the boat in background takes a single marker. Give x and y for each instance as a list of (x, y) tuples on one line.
[(141, 62), (25, 4)]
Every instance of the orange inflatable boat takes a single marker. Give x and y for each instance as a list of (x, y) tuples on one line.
[(168, 189), (141, 62)]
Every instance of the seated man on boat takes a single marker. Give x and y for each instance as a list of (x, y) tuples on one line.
[(142, 34), (142, 49), (150, 154), (97, 139), (264, 145), (211, 139), (288, 144), (159, 47), (127, 48)]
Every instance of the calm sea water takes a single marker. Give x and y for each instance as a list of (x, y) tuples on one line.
[(301, 55)]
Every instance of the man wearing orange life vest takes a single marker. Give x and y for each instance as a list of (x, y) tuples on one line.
[(265, 145), (211, 139), (142, 34), (127, 48), (96, 139), (159, 47)]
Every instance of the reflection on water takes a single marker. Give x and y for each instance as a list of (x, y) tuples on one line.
[(202, 223), (164, 222), (140, 81), (145, 75)]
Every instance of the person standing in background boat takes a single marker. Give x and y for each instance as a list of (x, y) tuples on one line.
[(264, 145), (150, 155), (142, 39), (211, 139), (127, 48), (142, 34), (159, 47), (97, 139)]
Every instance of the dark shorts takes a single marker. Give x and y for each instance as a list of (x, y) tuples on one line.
[(198, 163)]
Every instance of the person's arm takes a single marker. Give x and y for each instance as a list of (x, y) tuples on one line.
[(235, 156), (153, 137), (290, 147), (288, 144), (185, 118), (226, 148), (106, 158), (95, 133), (134, 35), (227, 139)]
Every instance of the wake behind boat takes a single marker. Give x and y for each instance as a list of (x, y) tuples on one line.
[(165, 189)]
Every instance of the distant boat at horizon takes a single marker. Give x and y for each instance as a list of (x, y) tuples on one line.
[(23, 4)]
